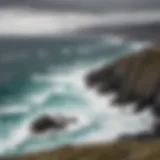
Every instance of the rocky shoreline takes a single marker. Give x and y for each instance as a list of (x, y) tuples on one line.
[(134, 78)]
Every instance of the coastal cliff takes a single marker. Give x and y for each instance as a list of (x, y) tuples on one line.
[(134, 78)]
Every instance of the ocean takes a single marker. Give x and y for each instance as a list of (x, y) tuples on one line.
[(46, 75)]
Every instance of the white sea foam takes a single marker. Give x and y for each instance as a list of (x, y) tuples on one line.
[(39, 98), (18, 135), (15, 109), (140, 45)]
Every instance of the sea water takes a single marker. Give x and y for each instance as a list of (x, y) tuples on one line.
[(46, 76)]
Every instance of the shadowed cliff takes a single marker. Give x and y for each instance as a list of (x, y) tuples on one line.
[(134, 78)]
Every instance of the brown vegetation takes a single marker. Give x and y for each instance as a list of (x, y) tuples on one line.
[(122, 150)]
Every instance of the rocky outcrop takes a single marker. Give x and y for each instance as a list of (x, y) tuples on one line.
[(46, 123), (135, 78)]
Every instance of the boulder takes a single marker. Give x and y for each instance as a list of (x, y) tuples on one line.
[(46, 123)]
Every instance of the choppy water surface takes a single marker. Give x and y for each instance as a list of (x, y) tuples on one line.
[(46, 76)]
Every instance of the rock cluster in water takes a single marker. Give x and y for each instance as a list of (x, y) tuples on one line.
[(134, 78), (46, 123)]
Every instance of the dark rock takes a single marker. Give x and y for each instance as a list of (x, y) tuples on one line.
[(46, 123), (135, 78), (139, 137)]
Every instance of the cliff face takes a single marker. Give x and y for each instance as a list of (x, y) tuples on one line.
[(135, 78)]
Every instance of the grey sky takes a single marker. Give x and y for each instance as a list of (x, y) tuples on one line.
[(84, 5)]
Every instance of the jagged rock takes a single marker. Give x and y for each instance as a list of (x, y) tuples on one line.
[(135, 78), (46, 123)]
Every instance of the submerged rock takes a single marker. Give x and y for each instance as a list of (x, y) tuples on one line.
[(46, 123), (134, 78)]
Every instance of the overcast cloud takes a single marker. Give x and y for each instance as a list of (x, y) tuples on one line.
[(84, 5)]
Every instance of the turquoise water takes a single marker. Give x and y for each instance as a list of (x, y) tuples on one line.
[(46, 76)]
